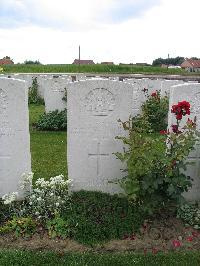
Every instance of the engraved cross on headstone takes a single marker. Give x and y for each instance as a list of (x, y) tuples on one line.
[(98, 154)]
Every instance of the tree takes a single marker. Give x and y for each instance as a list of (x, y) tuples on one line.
[(30, 62), (168, 61)]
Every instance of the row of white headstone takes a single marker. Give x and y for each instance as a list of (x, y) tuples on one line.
[(52, 88), (94, 106)]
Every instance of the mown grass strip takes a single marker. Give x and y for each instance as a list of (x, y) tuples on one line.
[(48, 149), (98, 68), (24, 258)]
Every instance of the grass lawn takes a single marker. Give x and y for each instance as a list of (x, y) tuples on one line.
[(48, 149), (23, 258), (98, 68)]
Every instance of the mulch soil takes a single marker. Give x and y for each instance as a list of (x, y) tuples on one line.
[(162, 234)]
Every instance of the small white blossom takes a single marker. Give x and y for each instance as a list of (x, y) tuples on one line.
[(33, 196), (9, 198), (57, 204), (26, 180)]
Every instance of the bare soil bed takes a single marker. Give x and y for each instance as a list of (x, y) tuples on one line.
[(160, 235)]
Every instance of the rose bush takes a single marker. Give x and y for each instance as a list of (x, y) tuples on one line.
[(154, 175), (153, 117)]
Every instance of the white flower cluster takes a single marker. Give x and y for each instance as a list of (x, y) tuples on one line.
[(9, 198), (45, 200), (26, 181), (54, 181)]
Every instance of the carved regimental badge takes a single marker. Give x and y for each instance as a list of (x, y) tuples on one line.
[(100, 102)]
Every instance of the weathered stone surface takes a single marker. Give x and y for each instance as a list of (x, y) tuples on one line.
[(55, 90), (94, 106), (14, 134), (142, 88), (167, 84), (189, 92)]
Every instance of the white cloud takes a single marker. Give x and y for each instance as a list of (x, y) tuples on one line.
[(69, 15), (170, 27)]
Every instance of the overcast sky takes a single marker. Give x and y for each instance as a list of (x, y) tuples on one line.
[(126, 31)]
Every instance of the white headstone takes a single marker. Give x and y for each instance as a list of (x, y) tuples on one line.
[(142, 88), (94, 106), (14, 134), (41, 80), (191, 93), (167, 84), (55, 90), (27, 77)]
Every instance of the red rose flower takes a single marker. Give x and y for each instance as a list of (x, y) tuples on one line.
[(154, 251), (175, 128), (190, 238), (176, 243), (195, 234), (179, 116), (154, 94), (163, 132), (181, 109)]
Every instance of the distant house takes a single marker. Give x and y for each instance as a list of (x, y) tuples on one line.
[(107, 63), (6, 61), (164, 66), (142, 64), (83, 62), (125, 64), (191, 65), (173, 67)]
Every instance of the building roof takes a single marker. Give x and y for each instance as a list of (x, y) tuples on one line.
[(83, 62), (6, 61), (107, 63), (191, 63)]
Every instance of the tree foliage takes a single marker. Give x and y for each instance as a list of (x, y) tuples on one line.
[(30, 62), (176, 61)]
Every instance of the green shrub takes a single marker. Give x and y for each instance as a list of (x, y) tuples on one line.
[(64, 98), (58, 227), (53, 121), (153, 117), (101, 217), (4, 212), (23, 226), (33, 96)]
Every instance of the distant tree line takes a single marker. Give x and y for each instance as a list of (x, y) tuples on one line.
[(30, 62), (176, 61)]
